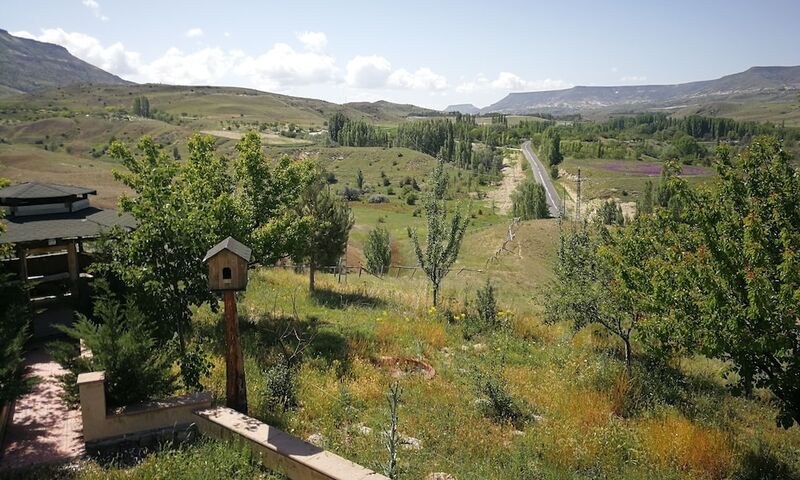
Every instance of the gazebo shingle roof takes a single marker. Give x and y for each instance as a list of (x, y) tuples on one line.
[(36, 190), (86, 223)]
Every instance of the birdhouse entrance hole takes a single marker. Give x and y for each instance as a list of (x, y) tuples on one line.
[(226, 274)]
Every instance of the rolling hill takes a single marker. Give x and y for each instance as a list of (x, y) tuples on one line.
[(762, 84), (28, 65)]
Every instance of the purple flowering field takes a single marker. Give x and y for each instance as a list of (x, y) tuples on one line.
[(640, 168)]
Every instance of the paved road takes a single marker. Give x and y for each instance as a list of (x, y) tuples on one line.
[(542, 176)]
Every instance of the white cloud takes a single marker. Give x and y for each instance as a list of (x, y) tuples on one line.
[(206, 66), (314, 41), (282, 67), (194, 32), (370, 71), (114, 58), (95, 8), (633, 78), (421, 79), (508, 81)]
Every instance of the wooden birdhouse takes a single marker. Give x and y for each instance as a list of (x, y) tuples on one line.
[(227, 265)]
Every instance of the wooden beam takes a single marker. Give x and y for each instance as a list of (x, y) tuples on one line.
[(74, 269), (22, 254), (235, 389)]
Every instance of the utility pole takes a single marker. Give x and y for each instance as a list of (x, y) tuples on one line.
[(578, 198)]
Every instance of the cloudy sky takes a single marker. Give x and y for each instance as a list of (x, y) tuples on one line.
[(431, 53)]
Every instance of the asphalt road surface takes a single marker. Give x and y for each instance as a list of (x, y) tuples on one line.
[(542, 176)]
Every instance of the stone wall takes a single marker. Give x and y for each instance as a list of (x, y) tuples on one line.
[(101, 425)]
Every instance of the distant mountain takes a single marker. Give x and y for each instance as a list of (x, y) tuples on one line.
[(463, 108), (757, 83), (27, 65)]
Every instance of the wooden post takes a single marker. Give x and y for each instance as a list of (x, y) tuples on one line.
[(235, 387), (72, 265), (22, 254)]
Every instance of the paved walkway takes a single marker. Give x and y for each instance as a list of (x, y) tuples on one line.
[(42, 428)]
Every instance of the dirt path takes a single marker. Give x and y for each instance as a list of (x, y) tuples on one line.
[(42, 428), (513, 175)]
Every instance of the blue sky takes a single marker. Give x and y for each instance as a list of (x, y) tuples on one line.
[(430, 53)]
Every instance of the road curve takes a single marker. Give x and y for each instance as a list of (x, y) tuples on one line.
[(543, 177)]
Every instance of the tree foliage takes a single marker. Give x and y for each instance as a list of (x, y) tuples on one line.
[(733, 261), (378, 250), (331, 221), (123, 346), (529, 201), (444, 235)]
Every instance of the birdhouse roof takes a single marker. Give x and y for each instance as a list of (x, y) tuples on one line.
[(232, 245)]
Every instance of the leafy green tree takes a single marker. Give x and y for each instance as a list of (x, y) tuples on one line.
[(378, 250), (335, 125), (181, 210), (444, 235), (735, 267), (529, 201), (331, 221), (271, 196), (611, 213), (604, 279), (644, 204), (551, 146)]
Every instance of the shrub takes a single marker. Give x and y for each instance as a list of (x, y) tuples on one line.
[(378, 250), (352, 194), (486, 304), (495, 400), (14, 314), (411, 199), (378, 198), (280, 386), (122, 345)]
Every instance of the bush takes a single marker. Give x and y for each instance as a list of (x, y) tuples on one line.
[(411, 199), (486, 305), (280, 387), (352, 194), (14, 315), (378, 250), (495, 400), (122, 345), (378, 198)]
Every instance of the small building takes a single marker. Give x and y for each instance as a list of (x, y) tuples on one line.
[(48, 225), (227, 265)]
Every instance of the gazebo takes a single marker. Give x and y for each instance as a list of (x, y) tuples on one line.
[(47, 224)]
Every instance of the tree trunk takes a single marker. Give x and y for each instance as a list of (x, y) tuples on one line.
[(435, 295), (628, 356), (311, 268)]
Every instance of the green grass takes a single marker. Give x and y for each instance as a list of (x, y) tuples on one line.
[(590, 423), (204, 460)]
